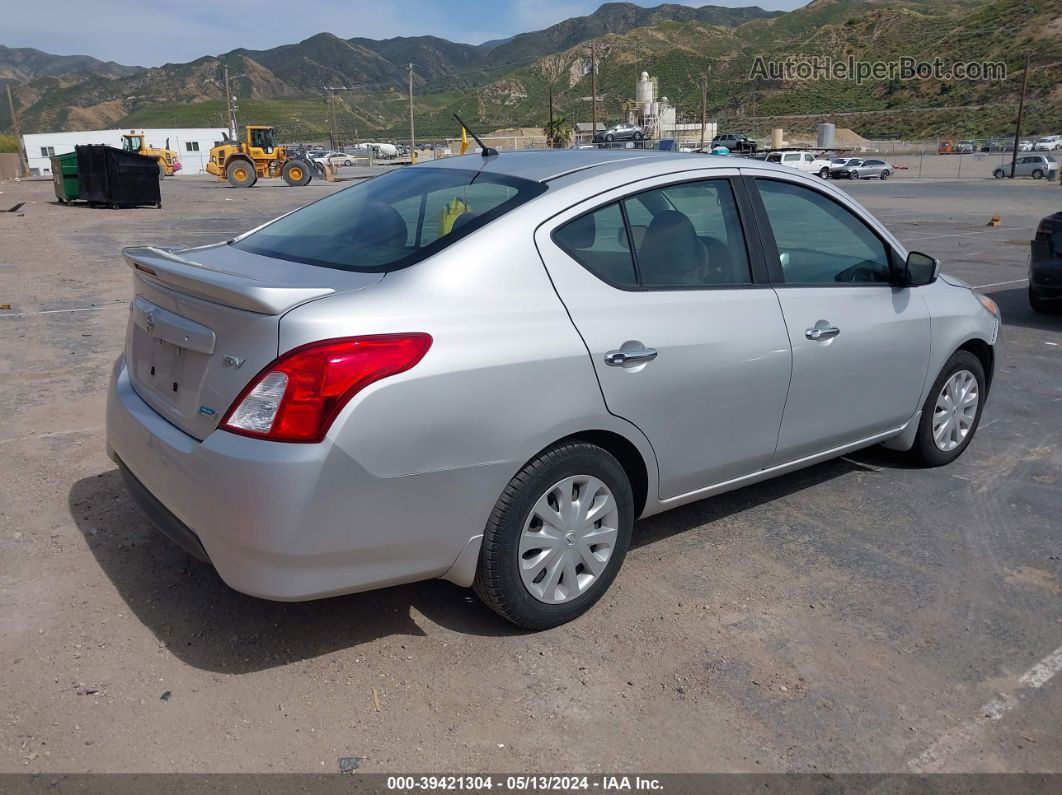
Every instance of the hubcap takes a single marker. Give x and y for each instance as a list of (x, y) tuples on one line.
[(568, 539), (956, 409)]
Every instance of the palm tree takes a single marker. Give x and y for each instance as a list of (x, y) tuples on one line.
[(558, 132)]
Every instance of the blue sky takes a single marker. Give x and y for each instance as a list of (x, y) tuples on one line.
[(153, 32)]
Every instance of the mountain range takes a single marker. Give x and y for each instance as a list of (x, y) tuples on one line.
[(506, 83)]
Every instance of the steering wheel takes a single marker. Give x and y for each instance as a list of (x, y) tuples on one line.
[(860, 272)]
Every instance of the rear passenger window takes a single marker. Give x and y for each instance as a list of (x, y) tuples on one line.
[(685, 235), (692, 237), (598, 241)]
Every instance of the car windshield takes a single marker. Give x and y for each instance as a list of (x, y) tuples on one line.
[(391, 221)]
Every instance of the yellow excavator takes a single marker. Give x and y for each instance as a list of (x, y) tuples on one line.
[(241, 163), (169, 165)]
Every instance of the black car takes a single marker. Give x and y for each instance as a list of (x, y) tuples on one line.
[(1045, 265), (735, 142)]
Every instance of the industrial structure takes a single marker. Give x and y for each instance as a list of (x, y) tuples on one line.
[(192, 145), (657, 116)]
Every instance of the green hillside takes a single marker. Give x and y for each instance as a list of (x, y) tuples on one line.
[(507, 85)]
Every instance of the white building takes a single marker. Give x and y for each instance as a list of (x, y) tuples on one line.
[(192, 145)]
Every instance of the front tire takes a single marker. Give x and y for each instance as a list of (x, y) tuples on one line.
[(853, 175), (884, 175), (556, 537), (295, 173), (241, 174), (952, 411), (999, 173)]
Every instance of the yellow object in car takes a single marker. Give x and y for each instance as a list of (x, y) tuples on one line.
[(451, 211)]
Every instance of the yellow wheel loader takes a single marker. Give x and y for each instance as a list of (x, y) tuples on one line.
[(169, 165), (241, 163)]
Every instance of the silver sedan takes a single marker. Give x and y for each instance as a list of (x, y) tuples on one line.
[(486, 369), (864, 169)]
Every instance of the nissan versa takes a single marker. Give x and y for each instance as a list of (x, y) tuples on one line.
[(485, 369)]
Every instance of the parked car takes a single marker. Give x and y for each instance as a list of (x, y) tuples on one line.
[(1045, 265), (999, 145), (619, 132), (843, 162), (339, 159), (1035, 166), (1048, 143), (805, 161), (864, 169), (735, 142), (349, 396), (1025, 146), (965, 147)]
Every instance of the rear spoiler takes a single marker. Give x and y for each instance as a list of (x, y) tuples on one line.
[(211, 284)]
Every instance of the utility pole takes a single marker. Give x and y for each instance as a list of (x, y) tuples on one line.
[(704, 105), (412, 139), (230, 107), (23, 163), (333, 121), (1021, 110), (333, 115), (593, 90), (550, 139)]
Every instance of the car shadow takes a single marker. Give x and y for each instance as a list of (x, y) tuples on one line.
[(721, 506), (208, 625), (1014, 304)]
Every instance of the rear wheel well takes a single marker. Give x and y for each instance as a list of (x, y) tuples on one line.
[(630, 459), (983, 351)]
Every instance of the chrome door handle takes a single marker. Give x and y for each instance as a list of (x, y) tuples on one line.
[(620, 358), (822, 332)]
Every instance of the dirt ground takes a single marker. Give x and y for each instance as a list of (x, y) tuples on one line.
[(860, 615)]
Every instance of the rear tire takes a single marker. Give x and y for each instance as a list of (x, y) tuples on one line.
[(1037, 174), (296, 173), (240, 174), (927, 450), (511, 562)]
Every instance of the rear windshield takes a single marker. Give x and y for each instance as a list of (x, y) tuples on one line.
[(391, 221)]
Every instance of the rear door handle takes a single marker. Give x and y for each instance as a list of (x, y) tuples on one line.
[(822, 332), (620, 358)]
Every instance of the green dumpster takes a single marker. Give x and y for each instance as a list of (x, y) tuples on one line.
[(64, 174)]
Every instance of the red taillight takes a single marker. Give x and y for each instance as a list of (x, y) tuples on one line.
[(297, 397)]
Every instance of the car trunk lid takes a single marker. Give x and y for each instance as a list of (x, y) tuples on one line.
[(204, 321)]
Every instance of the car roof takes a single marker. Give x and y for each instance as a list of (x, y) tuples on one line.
[(577, 166)]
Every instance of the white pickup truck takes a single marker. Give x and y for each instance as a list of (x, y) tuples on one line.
[(805, 161)]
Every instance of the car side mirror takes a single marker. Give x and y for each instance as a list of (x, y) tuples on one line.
[(920, 269)]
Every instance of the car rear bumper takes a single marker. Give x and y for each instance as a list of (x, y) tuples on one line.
[(1045, 275), (291, 522)]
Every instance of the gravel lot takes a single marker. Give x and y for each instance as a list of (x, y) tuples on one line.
[(856, 616)]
